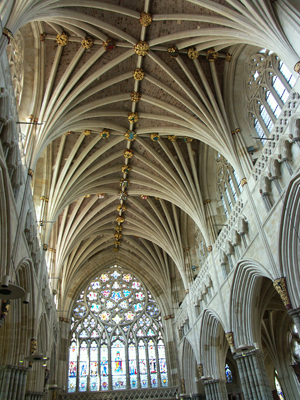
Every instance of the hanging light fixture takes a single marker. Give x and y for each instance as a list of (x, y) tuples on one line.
[(10, 291)]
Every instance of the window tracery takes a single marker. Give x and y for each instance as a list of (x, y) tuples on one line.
[(116, 336), (228, 183), (268, 83)]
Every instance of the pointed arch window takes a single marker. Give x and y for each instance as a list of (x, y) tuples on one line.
[(228, 374), (117, 337), (269, 83)]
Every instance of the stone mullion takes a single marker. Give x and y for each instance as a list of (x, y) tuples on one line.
[(88, 369), (138, 367), (148, 366), (78, 368), (109, 369), (127, 367), (157, 366)]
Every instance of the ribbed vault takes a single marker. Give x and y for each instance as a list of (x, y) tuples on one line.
[(86, 97)]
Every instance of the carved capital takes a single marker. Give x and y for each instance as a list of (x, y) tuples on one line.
[(229, 337), (228, 57), (280, 286), (30, 172), (297, 67), (200, 370), (243, 182)]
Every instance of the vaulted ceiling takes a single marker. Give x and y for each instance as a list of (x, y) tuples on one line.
[(93, 85)]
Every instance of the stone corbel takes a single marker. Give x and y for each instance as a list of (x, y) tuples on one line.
[(235, 238)]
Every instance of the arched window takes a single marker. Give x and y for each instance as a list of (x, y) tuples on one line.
[(228, 374), (269, 83), (228, 183), (278, 387), (117, 338)]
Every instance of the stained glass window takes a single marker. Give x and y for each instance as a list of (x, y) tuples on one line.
[(228, 373), (278, 387), (117, 340)]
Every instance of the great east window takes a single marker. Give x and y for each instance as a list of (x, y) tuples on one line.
[(116, 336)]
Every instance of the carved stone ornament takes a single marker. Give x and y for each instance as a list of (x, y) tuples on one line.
[(116, 249), (118, 236), (142, 48), (130, 136), (145, 19), (133, 117), (155, 137), (87, 196), (122, 195), (68, 133), (62, 39), (280, 286), (124, 182), (119, 228), (237, 130), (135, 97), (144, 197), (173, 52), (87, 132), (182, 385), (297, 67), (157, 198), (121, 207), (229, 337), (243, 182), (30, 172), (172, 138), (193, 53), (138, 74), (120, 219), (128, 153), (209, 248), (117, 242), (109, 44), (126, 169), (6, 32), (228, 57), (45, 247), (87, 42), (166, 317), (188, 139), (186, 291), (33, 346), (200, 370), (105, 134), (43, 36), (212, 55), (100, 195)]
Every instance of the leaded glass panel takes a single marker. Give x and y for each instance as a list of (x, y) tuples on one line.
[(116, 327)]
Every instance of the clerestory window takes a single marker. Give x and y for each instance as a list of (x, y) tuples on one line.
[(269, 83), (116, 336)]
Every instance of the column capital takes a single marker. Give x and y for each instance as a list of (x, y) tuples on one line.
[(281, 288)]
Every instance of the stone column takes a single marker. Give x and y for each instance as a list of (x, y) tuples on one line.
[(215, 389), (253, 375), (5, 382), (12, 382), (295, 314), (16, 384)]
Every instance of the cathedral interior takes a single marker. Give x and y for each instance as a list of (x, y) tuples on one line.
[(149, 202)]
